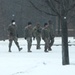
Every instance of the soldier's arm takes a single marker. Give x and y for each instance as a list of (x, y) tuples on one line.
[(42, 33), (25, 33)]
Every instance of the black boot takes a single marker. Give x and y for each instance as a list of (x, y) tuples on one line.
[(10, 50), (49, 49), (20, 49), (38, 48), (45, 51), (29, 51)]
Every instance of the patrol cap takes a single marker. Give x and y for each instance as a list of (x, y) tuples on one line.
[(45, 24), (13, 21), (29, 23)]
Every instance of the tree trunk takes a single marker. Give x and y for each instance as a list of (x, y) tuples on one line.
[(58, 25), (65, 54)]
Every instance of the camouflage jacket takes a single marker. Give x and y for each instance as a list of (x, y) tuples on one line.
[(45, 33), (37, 31), (12, 30), (28, 32)]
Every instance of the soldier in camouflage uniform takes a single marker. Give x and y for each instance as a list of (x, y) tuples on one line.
[(37, 34), (46, 36), (12, 34), (51, 34), (28, 35)]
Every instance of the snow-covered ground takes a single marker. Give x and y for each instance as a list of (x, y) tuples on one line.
[(36, 63)]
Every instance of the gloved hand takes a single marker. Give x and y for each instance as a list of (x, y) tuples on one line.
[(39, 31), (43, 38)]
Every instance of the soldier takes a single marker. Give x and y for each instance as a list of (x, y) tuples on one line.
[(46, 36), (51, 35), (12, 34), (28, 35), (37, 34)]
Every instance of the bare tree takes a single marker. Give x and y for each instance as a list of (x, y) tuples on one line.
[(65, 7)]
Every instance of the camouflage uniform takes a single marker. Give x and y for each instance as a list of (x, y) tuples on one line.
[(12, 34), (46, 36), (37, 34), (28, 35)]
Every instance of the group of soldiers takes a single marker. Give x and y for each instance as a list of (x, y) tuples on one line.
[(37, 32)]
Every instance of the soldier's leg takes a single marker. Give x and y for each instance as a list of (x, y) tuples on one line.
[(38, 42), (51, 43), (10, 44), (29, 41), (49, 48), (46, 45), (17, 44)]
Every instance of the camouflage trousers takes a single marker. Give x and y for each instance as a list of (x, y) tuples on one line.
[(46, 40), (38, 39), (11, 39), (29, 43), (51, 42)]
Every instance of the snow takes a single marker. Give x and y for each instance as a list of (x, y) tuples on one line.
[(38, 62)]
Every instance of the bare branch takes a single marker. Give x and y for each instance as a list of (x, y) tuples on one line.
[(41, 10), (70, 8), (57, 1), (50, 4), (71, 17)]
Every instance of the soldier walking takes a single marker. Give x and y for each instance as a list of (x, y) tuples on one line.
[(28, 35), (46, 36), (12, 34), (37, 34)]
